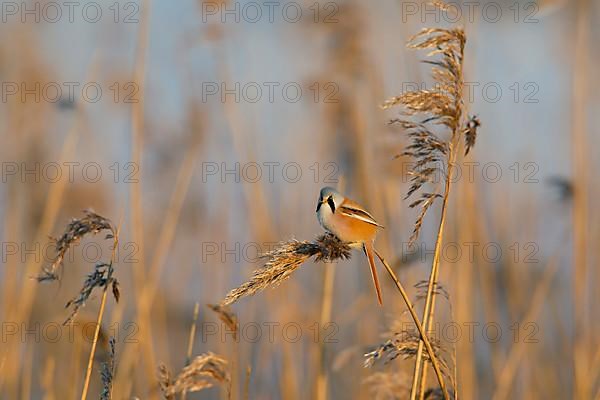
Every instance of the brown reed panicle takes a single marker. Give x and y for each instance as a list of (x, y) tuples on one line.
[(108, 372), (205, 371), (285, 259), (165, 380), (431, 108), (101, 276), (438, 289), (75, 231), (404, 344), (226, 316)]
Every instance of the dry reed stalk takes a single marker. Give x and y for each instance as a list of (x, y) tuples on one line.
[(192, 336), (27, 372), (440, 106), (47, 382), (261, 220), (108, 281), (289, 385), (464, 306), (147, 287), (247, 383), (108, 372), (422, 332), (27, 289), (582, 386), (137, 146), (509, 370), (230, 320), (205, 371), (326, 306), (422, 287)]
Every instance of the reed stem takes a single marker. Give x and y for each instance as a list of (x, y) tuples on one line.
[(420, 328), (433, 277)]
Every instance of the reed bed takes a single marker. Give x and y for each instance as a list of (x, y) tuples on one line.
[(156, 316)]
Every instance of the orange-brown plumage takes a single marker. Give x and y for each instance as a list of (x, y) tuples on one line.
[(350, 222)]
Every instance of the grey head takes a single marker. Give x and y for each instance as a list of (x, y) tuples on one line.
[(329, 197)]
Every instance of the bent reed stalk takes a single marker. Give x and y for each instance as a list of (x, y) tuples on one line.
[(420, 327)]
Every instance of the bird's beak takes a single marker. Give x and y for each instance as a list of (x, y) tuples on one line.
[(319, 205)]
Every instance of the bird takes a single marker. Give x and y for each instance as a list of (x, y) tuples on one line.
[(351, 223)]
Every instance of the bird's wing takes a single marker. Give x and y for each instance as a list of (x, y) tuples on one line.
[(353, 210)]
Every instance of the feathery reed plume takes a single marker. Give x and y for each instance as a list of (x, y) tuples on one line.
[(439, 107), (108, 372), (165, 382), (285, 259), (438, 289), (205, 371), (75, 231), (227, 317), (100, 277), (404, 344)]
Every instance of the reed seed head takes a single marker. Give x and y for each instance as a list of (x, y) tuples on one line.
[(285, 259), (205, 371)]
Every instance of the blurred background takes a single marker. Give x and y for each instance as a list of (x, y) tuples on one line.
[(205, 131)]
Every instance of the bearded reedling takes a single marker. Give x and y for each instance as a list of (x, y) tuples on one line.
[(351, 223)]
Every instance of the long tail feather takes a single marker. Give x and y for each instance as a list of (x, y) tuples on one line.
[(369, 250)]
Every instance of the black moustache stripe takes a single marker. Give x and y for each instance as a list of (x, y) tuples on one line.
[(331, 204)]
